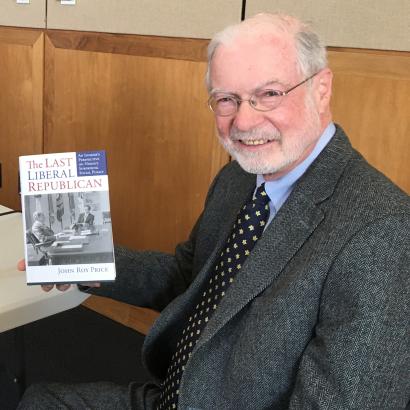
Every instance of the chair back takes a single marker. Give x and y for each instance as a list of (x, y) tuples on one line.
[(31, 238), (106, 217)]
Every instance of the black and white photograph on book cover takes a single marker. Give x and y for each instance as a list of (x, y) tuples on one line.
[(68, 228)]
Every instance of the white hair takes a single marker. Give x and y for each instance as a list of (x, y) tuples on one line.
[(310, 52), (37, 214)]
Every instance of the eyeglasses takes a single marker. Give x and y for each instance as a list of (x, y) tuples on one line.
[(224, 105)]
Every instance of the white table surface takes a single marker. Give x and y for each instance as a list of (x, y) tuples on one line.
[(20, 303)]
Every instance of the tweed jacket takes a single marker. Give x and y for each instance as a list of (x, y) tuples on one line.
[(317, 318)]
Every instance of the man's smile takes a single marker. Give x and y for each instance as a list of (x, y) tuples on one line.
[(257, 142)]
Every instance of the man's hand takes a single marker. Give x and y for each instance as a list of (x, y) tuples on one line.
[(21, 265)]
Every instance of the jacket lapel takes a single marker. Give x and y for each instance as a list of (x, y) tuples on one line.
[(175, 312), (288, 231), (238, 194)]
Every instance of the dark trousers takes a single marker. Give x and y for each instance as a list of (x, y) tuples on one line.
[(71, 351), (82, 396)]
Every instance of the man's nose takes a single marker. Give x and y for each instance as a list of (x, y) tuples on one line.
[(247, 117)]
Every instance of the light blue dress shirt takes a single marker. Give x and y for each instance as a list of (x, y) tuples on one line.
[(280, 189)]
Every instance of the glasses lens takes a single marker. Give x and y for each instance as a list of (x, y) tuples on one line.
[(266, 100), (223, 105)]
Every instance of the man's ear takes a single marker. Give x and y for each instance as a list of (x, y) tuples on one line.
[(324, 89)]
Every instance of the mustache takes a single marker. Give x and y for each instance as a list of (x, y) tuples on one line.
[(255, 134)]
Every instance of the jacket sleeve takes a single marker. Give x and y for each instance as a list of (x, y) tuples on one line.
[(359, 355), (153, 279), (148, 278), (43, 233)]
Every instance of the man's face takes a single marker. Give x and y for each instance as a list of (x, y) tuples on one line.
[(273, 142)]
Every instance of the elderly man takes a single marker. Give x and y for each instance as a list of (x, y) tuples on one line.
[(291, 291), (42, 232)]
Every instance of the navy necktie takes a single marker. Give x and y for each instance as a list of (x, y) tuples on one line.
[(247, 229)]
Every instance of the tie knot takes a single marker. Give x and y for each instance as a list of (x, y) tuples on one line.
[(261, 195)]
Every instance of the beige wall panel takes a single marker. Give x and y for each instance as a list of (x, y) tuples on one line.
[(180, 18), (376, 24), (371, 100), (23, 15)]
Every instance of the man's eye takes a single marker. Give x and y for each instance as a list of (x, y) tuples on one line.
[(225, 100), (269, 93)]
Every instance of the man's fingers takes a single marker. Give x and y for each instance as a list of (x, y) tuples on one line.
[(63, 287)]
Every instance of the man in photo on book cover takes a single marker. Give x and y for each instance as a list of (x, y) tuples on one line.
[(41, 231), (86, 217), (292, 289)]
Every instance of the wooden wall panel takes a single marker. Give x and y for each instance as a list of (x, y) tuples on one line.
[(182, 18), (135, 317), (21, 105), (150, 114), (371, 100)]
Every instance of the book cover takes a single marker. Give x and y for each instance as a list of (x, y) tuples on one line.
[(66, 218)]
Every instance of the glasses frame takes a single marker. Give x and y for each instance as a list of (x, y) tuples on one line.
[(252, 100)]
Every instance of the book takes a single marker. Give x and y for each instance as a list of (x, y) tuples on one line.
[(65, 203)]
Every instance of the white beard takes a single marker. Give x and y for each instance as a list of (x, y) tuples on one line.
[(282, 152)]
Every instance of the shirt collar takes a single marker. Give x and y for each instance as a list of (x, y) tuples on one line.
[(279, 189)]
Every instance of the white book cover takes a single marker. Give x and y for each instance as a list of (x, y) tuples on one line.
[(67, 218)]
